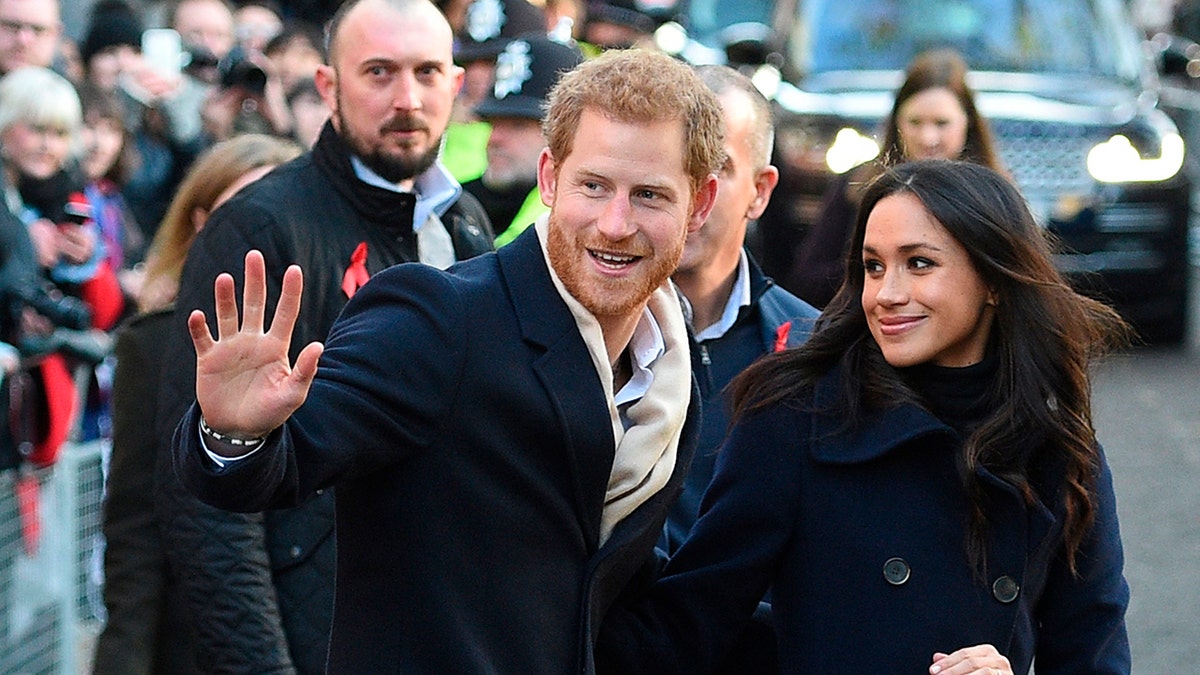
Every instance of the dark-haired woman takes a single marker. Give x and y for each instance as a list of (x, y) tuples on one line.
[(920, 483), (933, 117)]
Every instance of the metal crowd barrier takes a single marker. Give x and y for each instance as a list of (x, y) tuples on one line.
[(50, 603)]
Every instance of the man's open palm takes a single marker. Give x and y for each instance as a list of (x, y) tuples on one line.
[(245, 385)]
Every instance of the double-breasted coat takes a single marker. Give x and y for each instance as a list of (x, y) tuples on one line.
[(860, 533)]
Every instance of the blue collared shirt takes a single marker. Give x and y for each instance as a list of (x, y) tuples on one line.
[(739, 298)]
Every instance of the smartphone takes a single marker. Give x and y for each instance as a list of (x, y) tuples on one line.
[(77, 210), (163, 50)]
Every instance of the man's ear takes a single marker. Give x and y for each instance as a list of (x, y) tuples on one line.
[(326, 80), (764, 184), (547, 177), (703, 202)]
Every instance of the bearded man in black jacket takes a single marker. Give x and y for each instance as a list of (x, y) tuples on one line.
[(370, 194)]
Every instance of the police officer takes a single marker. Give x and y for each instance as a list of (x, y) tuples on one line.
[(525, 71)]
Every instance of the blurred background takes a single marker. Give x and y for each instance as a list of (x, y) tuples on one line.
[(1095, 105)]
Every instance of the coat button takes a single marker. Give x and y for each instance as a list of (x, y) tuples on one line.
[(1006, 589), (896, 571), (295, 551)]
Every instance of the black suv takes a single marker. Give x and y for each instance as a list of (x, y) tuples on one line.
[(1067, 85)]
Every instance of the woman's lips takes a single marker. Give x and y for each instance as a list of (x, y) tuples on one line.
[(895, 325)]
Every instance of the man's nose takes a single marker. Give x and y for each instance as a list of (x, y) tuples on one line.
[(26, 34), (406, 95), (614, 221)]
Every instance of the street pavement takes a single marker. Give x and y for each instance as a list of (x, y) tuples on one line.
[(1146, 406)]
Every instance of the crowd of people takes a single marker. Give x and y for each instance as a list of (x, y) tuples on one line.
[(585, 431)]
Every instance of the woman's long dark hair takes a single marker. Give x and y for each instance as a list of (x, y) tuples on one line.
[(1044, 336)]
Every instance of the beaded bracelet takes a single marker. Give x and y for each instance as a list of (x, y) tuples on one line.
[(239, 442)]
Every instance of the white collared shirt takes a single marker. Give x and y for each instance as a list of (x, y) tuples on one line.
[(436, 191), (645, 346), (435, 188)]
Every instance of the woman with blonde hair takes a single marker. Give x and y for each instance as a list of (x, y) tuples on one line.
[(216, 176), (146, 630)]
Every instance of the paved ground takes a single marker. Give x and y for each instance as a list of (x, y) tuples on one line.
[(1147, 409), (1146, 413)]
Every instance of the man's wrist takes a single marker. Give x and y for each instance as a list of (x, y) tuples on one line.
[(240, 442)]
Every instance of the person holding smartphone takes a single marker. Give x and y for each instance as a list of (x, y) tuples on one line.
[(39, 120)]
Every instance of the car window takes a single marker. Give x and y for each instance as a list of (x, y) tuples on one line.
[(1069, 37)]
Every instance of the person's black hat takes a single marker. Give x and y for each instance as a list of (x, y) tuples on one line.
[(526, 70), (491, 24), (113, 23)]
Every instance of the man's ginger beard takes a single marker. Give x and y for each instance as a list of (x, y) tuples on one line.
[(610, 297)]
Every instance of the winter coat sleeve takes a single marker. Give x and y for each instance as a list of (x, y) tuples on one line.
[(1082, 617), (690, 619), (389, 374)]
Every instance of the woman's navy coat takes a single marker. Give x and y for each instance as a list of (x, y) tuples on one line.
[(860, 535)]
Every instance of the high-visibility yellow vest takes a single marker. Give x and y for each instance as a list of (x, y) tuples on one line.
[(464, 150), (531, 209)]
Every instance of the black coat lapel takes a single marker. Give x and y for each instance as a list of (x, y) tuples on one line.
[(565, 370)]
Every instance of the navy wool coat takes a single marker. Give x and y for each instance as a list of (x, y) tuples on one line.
[(861, 536), (467, 430)]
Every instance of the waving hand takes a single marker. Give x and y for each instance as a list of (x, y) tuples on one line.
[(245, 384)]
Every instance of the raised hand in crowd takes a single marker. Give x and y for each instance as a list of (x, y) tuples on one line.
[(245, 385)]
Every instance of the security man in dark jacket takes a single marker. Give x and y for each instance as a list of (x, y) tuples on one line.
[(737, 313), (369, 195)]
